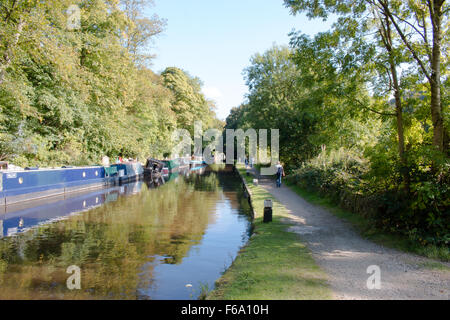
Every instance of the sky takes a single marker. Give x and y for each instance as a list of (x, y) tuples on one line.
[(215, 39)]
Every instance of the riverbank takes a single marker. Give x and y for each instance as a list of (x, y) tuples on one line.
[(348, 258), (275, 264), (366, 229)]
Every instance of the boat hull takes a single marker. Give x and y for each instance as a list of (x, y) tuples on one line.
[(19, 186)]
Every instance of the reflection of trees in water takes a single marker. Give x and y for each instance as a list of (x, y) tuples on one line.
[(206, 182), (110, 243)]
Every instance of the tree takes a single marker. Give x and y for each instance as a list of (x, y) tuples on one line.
[(14, 17), (189, 103), (72, 95), (300, 92), (392, 59), (140, 30), (411, 21), (416, 17)]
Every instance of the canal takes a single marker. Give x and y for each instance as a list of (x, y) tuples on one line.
[(135, 241)]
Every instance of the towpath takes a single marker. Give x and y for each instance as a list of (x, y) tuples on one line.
[(345, 256)]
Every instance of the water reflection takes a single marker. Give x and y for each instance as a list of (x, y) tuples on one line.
[(134, 242), (21, 217)]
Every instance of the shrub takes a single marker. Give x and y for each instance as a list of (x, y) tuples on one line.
[(422, 213)]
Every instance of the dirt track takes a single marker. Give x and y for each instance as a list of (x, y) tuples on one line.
[(345, 256)]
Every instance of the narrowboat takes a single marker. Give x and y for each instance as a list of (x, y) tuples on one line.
[(154, 170), (185, 163), (129, 171), (173, 165), (35, 183), (152, 167), (23, 185)]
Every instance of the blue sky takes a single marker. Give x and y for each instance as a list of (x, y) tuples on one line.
[(214, 40)]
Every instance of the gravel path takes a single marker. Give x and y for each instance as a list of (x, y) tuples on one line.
[(345, 256)]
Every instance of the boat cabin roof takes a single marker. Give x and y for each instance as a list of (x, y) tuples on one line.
[(151, 161)]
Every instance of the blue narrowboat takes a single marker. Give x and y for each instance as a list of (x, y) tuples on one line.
[(25, 185)]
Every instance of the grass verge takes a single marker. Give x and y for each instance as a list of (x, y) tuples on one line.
[(366, 229), (275, 264)]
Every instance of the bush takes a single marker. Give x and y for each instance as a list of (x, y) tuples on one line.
[(422, 213)]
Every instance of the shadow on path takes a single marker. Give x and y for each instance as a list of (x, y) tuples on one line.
[(345, 255)]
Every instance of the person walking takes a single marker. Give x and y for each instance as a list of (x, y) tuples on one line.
[(280, 173)]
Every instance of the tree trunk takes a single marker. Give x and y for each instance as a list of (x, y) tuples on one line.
[(435, 83), (446, 140), (400, 131), (433, 77), (398, 107), (386, 36)]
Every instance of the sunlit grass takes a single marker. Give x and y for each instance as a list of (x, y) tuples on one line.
[(434, 265), (275, 264)]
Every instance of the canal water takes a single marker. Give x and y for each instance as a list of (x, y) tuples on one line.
[(135, 241)]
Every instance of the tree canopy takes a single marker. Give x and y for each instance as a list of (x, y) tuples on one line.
[(72, 93), (363, 110)]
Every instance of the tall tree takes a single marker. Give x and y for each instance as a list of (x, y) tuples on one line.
[(140, 30), (70, 94), (189, 103), (411, 21), (12, 20), (386, 35), (416, 16)]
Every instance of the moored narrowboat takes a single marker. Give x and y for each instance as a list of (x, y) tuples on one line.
[(152, 167), (173, 165), (23, 185), (129, 171), (185, 163), (154, 170), (35, 183)]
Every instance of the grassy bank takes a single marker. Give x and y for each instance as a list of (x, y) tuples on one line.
[(275, 264), (366, 229)]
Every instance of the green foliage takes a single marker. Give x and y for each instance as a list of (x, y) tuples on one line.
[(423, 214), (305, 97), (70, 96), (140, 30), (363, 93), (189, 104)]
